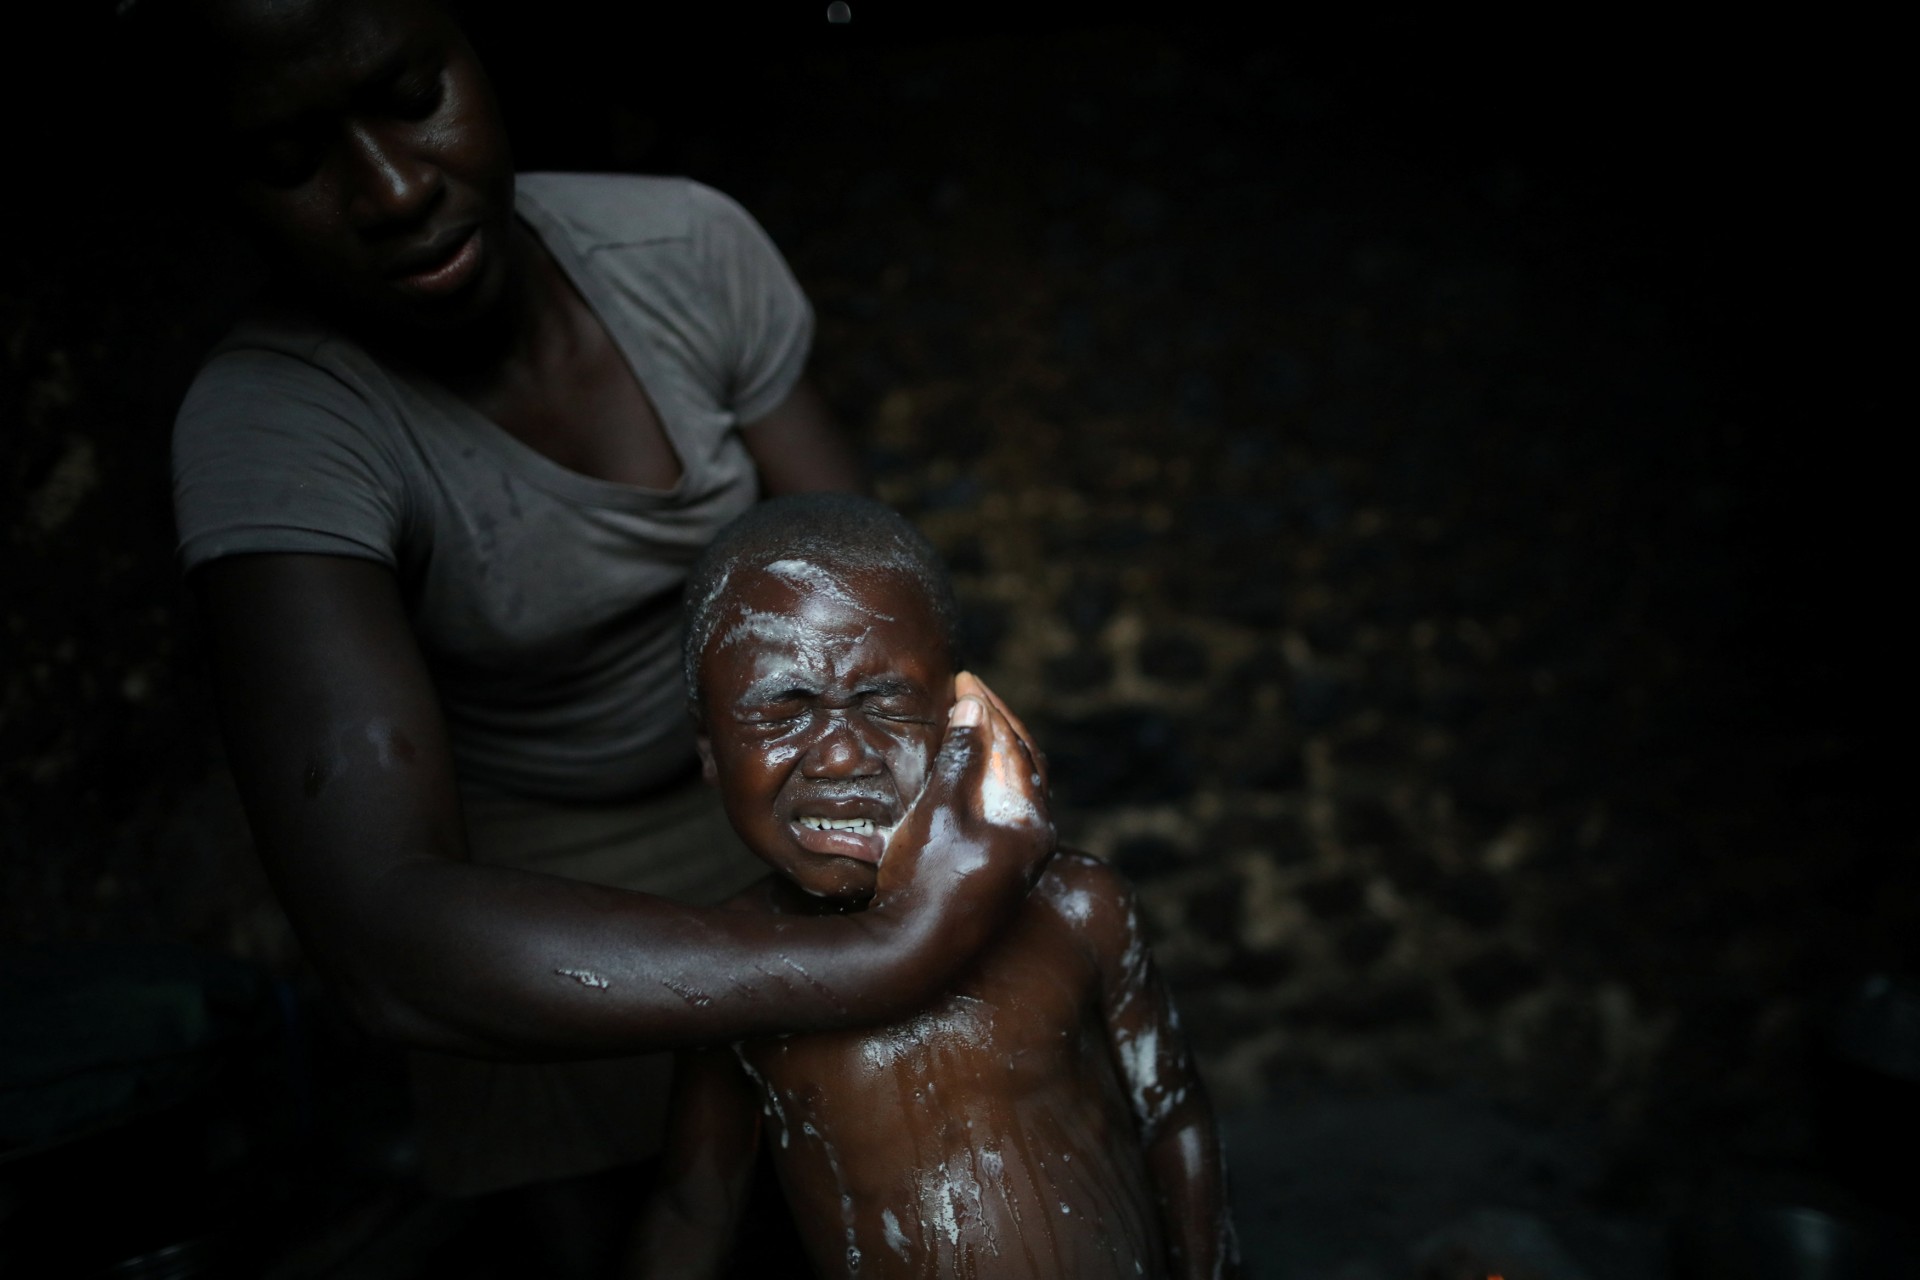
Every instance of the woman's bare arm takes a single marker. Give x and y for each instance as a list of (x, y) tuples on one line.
[(337, 741), (797, 449)]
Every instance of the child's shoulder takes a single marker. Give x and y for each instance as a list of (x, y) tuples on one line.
[(1091, 898), (1071, 872)]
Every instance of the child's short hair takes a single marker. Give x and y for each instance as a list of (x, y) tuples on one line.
[(839, 530)]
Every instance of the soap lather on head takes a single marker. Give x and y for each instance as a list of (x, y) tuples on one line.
[(820, 659)]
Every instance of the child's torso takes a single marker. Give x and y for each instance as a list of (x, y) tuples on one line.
[(989, 1136)]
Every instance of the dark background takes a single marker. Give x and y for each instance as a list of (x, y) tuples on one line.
[(1430, 482)]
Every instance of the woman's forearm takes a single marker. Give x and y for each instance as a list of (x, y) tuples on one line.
[(340, 752), (499, 963)]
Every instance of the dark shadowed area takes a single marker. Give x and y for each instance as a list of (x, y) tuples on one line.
[(1429, 485)]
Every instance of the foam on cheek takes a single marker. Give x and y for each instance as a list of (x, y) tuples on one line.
[(1005, 798), (908, 762)]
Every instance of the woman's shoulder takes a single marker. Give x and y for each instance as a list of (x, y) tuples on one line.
[(612, 210), (276, 344), (281, 357)]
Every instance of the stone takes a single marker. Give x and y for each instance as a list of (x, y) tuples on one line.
[(1364, 1007), (1148, 857), (1124, 755), (1495, 977), (1411, 870), (1367, 822), (1173, 658), (982, 626), (1261, 762), (1333, 897), (1262, 968), (1254, 601), (1473, 897), (1078, 671), (965, 556), (1365, 941), (1211, 1024), (1278, 837), (1317, 699), (1088, 603), (1216, 911), (1328, 631)]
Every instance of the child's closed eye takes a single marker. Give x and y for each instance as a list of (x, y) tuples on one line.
[(776, 711), (891, 702)]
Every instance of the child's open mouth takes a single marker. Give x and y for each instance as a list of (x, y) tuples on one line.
[(860, 838)]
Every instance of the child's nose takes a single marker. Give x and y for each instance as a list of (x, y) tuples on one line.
[(841, 751)]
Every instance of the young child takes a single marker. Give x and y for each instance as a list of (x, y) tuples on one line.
[(1043, 1118)]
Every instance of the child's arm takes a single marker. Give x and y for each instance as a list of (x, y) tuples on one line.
[(713, 1133), (1169, 1101)]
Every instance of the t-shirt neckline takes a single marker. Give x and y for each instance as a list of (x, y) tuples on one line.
[(536, 467)]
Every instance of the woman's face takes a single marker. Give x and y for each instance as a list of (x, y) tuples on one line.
[(365, 149)]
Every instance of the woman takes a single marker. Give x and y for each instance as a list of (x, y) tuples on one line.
[(438, 495)]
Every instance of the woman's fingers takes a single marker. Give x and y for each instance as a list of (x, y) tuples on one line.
[(984, 773), (1011, 796), (964, 752), (975, 685)]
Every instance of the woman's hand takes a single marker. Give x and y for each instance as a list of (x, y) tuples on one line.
[(977, 836), (983, 804)]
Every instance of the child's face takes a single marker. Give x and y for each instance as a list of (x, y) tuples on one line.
[(824, 698)]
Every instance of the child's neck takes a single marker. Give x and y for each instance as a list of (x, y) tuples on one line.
[(790, 899)]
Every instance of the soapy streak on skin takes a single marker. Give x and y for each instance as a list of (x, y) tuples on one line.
[(1145, 1062), (811, 576), (1004, 799), (896, 1238), (769, 1100), (391, 749), (772, 628), (832, 997), (840, 1185), (696, 999), (953, 1189)]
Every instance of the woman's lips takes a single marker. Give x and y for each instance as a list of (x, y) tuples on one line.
[(448, 275), (862, 839)]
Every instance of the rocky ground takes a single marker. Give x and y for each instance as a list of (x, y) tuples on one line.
[(1387, 473)]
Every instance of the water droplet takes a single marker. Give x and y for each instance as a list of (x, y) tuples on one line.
[(839, 11)]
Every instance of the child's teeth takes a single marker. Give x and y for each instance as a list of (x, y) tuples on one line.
[(859, 826)]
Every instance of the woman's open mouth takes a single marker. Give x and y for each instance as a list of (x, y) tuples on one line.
[(446, 274)]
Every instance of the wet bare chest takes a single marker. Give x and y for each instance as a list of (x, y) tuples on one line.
[(1024, 1024)]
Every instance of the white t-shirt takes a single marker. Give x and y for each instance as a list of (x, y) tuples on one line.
[(547, 602)]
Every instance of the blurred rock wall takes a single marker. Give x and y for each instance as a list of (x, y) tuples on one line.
[(1363, 469)]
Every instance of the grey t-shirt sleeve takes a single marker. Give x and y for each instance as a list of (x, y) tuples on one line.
[(275, 454), (769, 323)]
